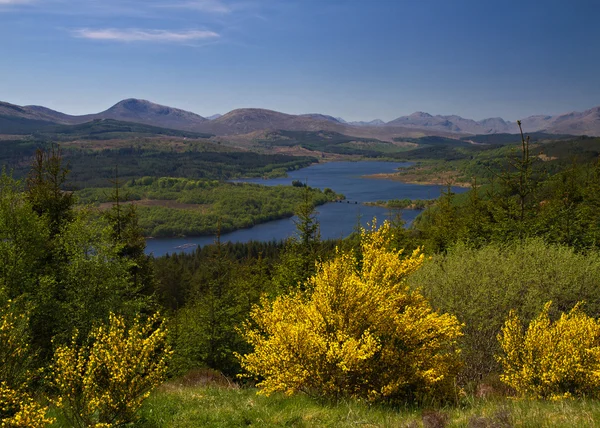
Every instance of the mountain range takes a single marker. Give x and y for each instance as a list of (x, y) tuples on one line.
[(249, 120)]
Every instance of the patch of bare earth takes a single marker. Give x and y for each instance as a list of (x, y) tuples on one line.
[(11, 137), (301, 151), (546, 158)]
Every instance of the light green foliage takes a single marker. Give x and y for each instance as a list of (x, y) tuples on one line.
[(552, 359), (212, 204), (23, 239), (212, 406), (482, 285), (96, 280)]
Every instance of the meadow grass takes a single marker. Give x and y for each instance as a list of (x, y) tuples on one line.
[(175, 405)]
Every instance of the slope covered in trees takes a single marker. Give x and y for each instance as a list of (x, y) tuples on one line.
[(326, 318)]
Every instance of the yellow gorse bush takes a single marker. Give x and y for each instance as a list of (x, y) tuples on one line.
[(14, 346), (552, 359), (17, 408), (357, 331), (105, 382)]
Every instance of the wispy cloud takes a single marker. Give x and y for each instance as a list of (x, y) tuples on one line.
[(210, 6), (11, 2), (144, 35)]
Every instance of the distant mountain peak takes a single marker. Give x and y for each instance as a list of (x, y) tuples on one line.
[(144, 111), (420, 114), (374, 122), (214, 116), (248, 120), (320, 116)]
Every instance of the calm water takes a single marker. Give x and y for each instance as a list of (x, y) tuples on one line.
[(337, 219)]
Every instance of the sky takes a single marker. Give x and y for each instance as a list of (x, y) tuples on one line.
[(355, 59)]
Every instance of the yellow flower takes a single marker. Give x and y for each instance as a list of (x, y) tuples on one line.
[(358, 331)]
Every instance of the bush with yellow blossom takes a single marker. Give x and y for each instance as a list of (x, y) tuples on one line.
[(17, 408), (104, 383), (357, 331), (552, 359)]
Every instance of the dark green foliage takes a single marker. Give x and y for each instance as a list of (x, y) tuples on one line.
[(200, 159), (504, 138), (46, 188), (221, 296), (210, 293), (522, 201), (175, 273), (303, 251), (433, 140), (105, 129), (327, 141), (126, 232), (62, 263), (437, 152), (21, 126)]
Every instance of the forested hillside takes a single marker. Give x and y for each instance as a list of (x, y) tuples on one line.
[(493, 293)]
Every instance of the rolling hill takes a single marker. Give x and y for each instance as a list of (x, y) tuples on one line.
[(23, 119)]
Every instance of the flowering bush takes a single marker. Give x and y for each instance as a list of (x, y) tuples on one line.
[(552, 359), (357, 331), (17, 408), (105, 382)]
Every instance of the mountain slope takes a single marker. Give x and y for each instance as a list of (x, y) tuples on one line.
[(249, 120), (578, 123), (148, 113), (453, 123), (246, 120)]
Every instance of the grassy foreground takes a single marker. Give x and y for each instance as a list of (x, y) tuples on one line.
[(177, 405)]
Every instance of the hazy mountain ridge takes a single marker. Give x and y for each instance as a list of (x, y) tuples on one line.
[(453, 123), (577, 123), (248, 120)]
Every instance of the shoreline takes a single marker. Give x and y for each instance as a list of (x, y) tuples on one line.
[(412, 179)]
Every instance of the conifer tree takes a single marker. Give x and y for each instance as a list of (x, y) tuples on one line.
[(127, 232), (46, 188), (302, 250)]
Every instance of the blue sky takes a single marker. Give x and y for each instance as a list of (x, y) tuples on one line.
[(358, 59)]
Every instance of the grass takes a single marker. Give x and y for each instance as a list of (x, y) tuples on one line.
[(177, 405)]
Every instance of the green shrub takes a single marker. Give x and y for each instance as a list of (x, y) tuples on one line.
[(481, 286)]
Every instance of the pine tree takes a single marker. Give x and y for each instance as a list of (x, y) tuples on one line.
[(127, 233), (46, 188)]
